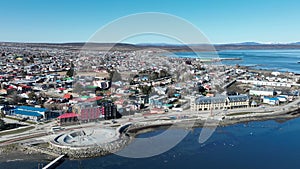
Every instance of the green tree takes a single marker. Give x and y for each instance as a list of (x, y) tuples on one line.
[(99, 91), (15, 99), (170, 92), (70, 72), (2, 124), (163, 73), (2, 115), (31, 58), (78, 88), (32, 96), (146, 89), (115, 76), (154, 76)]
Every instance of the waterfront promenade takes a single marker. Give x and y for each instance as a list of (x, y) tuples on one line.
[(43, 132)]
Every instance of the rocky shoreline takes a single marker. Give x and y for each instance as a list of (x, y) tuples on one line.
[(186, 123), (79, 152), (16, 152), (139, 128), (93, 151)]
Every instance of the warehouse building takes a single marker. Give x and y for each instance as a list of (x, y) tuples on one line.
[(32, 113), (260, 91)]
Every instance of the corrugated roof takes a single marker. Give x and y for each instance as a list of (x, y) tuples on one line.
[(262, 89), (209, 100), (27, 113), (221, 99), (67, 115), (33, 109), (238, 98)]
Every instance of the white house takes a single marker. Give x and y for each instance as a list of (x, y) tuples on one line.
[(282, 98), (271, 100), (259, 91)]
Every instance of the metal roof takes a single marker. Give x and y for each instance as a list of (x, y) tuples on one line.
[(238, 98), (221, 99), (67, 115), (32, 109), (209, 100), (262, 89), (27, 113)]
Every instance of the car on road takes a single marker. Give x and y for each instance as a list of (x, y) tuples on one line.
[(56, 128)]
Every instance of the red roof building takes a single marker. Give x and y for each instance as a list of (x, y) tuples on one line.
[(68, 96), (93, 99), (68, 118), (67, 115)]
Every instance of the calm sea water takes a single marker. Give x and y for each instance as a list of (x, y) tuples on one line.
[(279, 60), (263, 144), (267, 144)]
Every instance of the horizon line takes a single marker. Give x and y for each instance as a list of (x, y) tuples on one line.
[(159, 43)]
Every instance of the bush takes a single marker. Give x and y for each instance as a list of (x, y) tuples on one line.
[(2, 124)]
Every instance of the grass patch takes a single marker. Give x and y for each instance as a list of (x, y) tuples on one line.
[(266, 112), (17, 119), (43, 145), (243, 113), (45, 122), (240, 113), (16, 131)]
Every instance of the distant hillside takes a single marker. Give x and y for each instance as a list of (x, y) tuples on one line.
[(162, 46), (257, 47), (245, 43), (296, 43)]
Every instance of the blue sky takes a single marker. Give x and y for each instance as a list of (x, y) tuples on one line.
[(222, 21)]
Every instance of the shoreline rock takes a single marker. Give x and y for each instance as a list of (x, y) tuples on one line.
[(140, 128)]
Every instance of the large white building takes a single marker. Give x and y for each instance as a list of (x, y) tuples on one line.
[(271, 100), (267, 83), (220, 102)]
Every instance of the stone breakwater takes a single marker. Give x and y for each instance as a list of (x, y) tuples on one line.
[(30, 149), (77, 152), (90, 151)]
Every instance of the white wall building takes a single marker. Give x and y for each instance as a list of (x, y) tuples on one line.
[(220, 102), (267, 83), (259, 91), (271, 101)]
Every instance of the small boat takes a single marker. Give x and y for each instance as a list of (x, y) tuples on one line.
[(298, 62)]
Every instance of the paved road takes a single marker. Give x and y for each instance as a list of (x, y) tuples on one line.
[(7, 120), (44, 131)]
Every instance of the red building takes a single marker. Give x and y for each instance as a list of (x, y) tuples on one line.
[(67, 118)]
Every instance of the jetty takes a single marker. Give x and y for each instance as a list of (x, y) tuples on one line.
[(53, 164)]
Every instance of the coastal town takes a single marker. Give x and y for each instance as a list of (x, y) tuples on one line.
[(49, 91), (149, 84)]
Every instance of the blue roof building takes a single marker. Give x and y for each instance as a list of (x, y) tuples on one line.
[(33, 113), (27, 113), (271, 100)]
